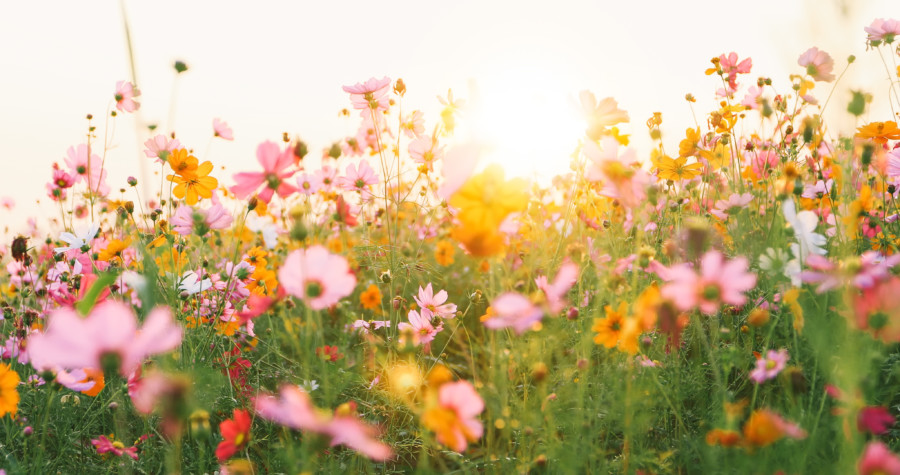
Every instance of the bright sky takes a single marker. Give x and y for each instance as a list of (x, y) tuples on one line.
[(273, 67)]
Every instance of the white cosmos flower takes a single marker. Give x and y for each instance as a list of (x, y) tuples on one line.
[(804, 224), (191, 284), (84, 236)]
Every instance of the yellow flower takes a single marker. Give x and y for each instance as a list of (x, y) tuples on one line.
[(609, 329), (479, 241), (264, 282), (688, 146), (443, 253), (257, 257), (718, 157), (195, 185), (114, 249), (371, 298), (9, 393), (487, 198), (676, 169)]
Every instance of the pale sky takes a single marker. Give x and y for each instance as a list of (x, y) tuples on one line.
[(271, 67)]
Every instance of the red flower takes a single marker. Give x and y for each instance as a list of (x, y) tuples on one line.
[(236, 432), (328, 353), (874, 419)]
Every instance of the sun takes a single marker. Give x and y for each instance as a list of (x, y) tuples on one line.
[(527, 120)]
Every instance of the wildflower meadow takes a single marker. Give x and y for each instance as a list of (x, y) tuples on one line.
[(726, 302)]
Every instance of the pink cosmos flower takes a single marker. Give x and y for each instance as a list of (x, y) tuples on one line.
[(307, 184), (8, 203), (365, 327), (87, 170), (769, 367), (371, 95), (72, 342), (513, 310), (555, 292), (316, 276), (275, 163), (118, 449), (160, 146), (434, 304), (883, 30), (731, 67), (718, 282), (125, 94), (877, 459), (622, 178), (875, 419), (425, 150), (872, 268), (893, 163), (186, 217), (326, 177), (818, 64), (221, 129), (359, 178), (763, 161), (420, 327), (294, 409), (414, 125), (752, 99), (461, 398), (734, 203)]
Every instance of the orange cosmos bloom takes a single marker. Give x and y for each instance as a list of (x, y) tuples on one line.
[(192, 186), (443, 253), (9, 393), (182, 162), (114, 249), (609, 329), (879, 132), (371, 298)]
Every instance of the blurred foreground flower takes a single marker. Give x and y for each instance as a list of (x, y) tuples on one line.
[(316, 276), (454, 418)]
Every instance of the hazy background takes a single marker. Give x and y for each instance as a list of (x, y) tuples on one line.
[(273, 67)]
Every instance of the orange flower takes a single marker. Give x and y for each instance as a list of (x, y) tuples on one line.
[(371, 298), (723, 437), (443, 253), (764, 427), (114, 249), (193, 185), (609, 329), (182, 162), (95, 376), (879, 132), (9, 393)]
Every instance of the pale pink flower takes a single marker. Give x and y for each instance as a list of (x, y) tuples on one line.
[(719, 282), (125, 94), (294, 409), (461, 398), (883, 30), (326, 177), (272, 179), (186, 217), (308, 184), (420, 327), (72, 342), (316, 276), (872, 268), (160, 147), (9, 203), (734, 203), (371, 95), (425, 150), (76, 380), (221, 129), (513, 310), (600, 115), (87, 170), (359, 178), (818, 64), (434, 304), (893, 164), (752, 99), (146, 390), (770, 366), (555, 292), (622, 177), (414, 125), (731, 67), (877, 459), (763, 161)]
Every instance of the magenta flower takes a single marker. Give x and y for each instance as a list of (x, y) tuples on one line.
[(769, 367), (555, 292), (117, 448), (316, 276), (160, 146), (434, 304), (125, 94), (883, 30), (72, 342), (275, 163), (420, 327), (513, 310), (818, 64), (719, 282), (877, 459), (359, 178), (221, 129), (875, 419), (371, 95), (294, 409)]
